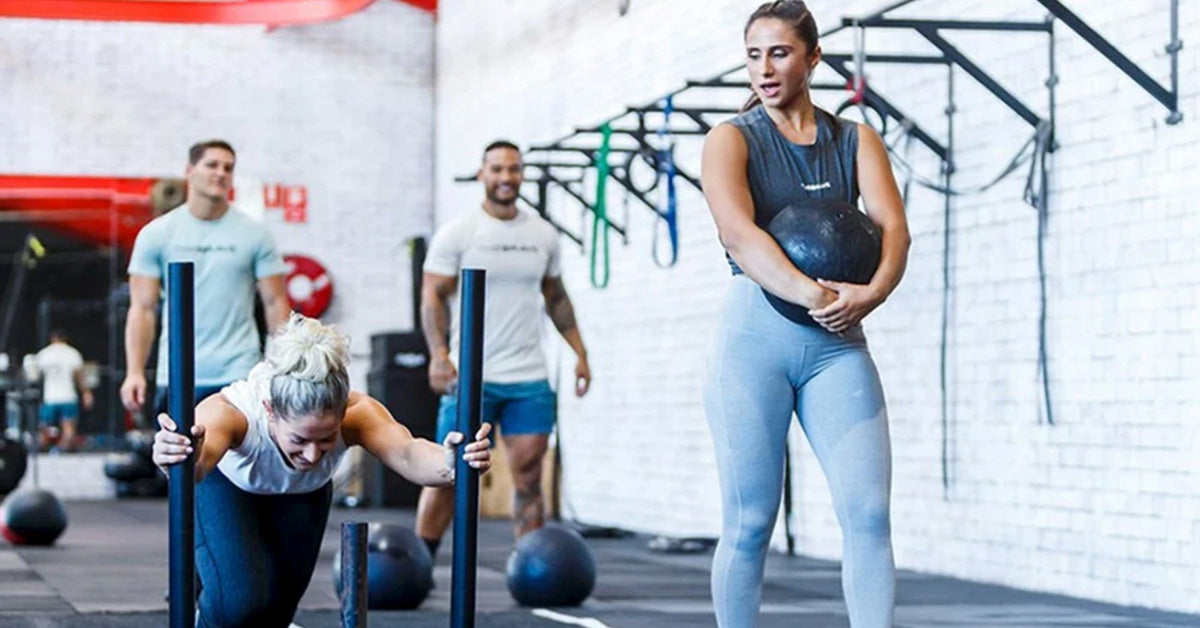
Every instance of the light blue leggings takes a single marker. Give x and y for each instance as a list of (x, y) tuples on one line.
[(761, 368)]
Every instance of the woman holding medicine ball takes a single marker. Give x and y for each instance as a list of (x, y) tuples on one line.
[(811, 357)]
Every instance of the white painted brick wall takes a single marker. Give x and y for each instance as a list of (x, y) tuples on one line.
[(344, 108), (1105, 504), (73, 476)]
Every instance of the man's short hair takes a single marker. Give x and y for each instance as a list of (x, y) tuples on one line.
[(500, 144), (196, 152)]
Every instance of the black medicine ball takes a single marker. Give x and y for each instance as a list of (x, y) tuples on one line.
[(551, 566), (399, 568), (32, 517), (825, 239)]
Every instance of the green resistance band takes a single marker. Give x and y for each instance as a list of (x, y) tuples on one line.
[(600, 209)]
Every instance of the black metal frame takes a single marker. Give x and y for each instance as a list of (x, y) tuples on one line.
[(1168, 97), (842, 64), (582, 141)]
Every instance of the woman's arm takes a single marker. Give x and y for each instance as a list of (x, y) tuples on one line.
[(723, 174), (369, 424), (886, 209), (218, 427)]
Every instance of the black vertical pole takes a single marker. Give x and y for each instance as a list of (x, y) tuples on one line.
[(948, 168), (418, 247), (354, 575), (24, 261), (466, 487), (181, 405)]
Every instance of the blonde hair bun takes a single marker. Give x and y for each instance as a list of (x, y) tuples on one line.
[(305, 349)]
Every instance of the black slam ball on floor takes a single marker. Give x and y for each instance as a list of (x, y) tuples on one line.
[(399, 568), (825, 239), (127, 466), (551, 566), (32, 517)]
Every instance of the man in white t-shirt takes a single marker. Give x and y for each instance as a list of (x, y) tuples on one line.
[(520, 252), (60, 367)]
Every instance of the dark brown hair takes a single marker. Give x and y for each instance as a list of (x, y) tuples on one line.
[(196, 152), (793, 12)]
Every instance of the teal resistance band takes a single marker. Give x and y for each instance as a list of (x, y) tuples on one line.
[(600, 209)]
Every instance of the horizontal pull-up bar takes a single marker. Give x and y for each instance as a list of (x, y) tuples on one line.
[(956, 25), (885, 58), (1169, 98), (983, 77)]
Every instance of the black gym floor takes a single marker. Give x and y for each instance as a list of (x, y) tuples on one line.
[(109, 569)]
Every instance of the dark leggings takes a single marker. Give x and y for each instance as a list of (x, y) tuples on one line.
[(255, 554)]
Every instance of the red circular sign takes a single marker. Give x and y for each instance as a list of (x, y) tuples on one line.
[(309, 287)]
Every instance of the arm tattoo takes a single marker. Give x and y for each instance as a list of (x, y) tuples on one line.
[(435, 323), (558, 306)]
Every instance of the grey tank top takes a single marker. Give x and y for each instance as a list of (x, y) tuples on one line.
[(781, 172)]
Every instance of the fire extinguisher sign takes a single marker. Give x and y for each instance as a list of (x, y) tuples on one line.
[(290, 200)]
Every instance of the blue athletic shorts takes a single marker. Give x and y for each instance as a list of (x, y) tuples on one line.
[(56, 413), (520, 408)]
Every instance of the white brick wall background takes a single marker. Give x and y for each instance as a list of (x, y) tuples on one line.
[(78, 476), (1106, 503), (344, 108)]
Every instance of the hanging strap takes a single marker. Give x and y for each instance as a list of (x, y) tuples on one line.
[(600, 210), (667, 203), (858, 82)]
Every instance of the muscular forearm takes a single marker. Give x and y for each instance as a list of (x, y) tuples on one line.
[(575, 341), (424, 463), (561, 313), (761, 259), (276, 312), (435, 322), (139, 333)]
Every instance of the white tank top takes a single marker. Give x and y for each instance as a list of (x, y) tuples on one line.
[(257, 465)]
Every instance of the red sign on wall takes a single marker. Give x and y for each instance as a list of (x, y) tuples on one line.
[(292, 199)]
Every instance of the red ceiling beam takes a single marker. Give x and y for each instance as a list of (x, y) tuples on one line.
[(265, 12), (94, 209), (428, 5)]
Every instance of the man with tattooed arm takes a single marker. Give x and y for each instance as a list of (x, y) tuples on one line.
[(520, 252)]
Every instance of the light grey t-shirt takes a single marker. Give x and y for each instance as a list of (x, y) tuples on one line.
[(230, 254), (517, 254)]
